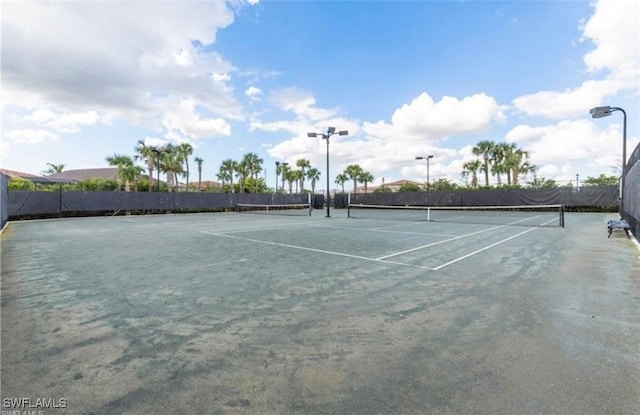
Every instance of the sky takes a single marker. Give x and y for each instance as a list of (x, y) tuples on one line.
[(83, 80)]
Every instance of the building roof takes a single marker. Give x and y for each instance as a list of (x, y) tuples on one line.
[(13, 173), (390, 185), (403, 181), (79, 175), (32, 177)]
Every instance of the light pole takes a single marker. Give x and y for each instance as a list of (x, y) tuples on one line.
[(155, 150), (577, 182), (600, 112), (429, 157), (330, 131)]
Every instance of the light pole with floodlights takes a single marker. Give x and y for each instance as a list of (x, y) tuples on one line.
[(330, 131), (600, 112), (157, 151), (429, 157)]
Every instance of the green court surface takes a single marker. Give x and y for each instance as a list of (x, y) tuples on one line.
[(228, 313)]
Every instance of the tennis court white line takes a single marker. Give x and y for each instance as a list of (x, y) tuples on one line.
[(214, 264), (399, 225), (263, 228), (457, 237), (438, 243), (489, 246), (321, 251), (381, 231)]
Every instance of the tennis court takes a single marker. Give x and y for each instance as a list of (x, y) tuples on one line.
[(232, 313)]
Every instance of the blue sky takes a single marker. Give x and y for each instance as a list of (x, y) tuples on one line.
[(84, 80)]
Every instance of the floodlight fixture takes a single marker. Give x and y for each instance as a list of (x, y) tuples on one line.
[(600, 112), (325, 136), (429, 157)]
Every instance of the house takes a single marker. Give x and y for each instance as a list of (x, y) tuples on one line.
[(32, 177), (393, 186), (80, 175)]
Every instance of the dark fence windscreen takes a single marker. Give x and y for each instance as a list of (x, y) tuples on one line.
[(28, 203), (4, 201), (631, 193), (602, 196)]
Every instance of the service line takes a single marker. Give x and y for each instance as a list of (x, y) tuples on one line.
[(453, 261), (439, 242), (381, 230), (457, 237), (321, 251), (261, 228)]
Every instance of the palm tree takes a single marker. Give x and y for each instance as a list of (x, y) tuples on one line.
[(54, 168), (353, 171), (313, 174), (341, 179), (472, 167), (524, 168), (126, 169), (223, 176), (148, 156), (242, 171), (484, 148), (131, 173), (365, 177), (253, 165), (533, 169), (199, 162), (284, 172), (227, 171), (296, 176), (303, 164), (498, 154), (184, 150), (516, 163), (291, 177), (171, 164)]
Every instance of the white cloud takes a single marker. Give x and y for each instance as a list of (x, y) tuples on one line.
[(66, 122), (220, 77), (447, 116), (30, 136), (300, 102), (383, 147), (254, 93), (4, 150), (183, 118), (559, 105), (569, 141), (155, 141), (147, 51), (613, 29), (293, 127)]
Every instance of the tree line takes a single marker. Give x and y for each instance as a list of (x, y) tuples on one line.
[(499, 160)]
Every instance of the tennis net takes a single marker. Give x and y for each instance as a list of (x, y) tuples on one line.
[(288, 209), (530, 215)]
